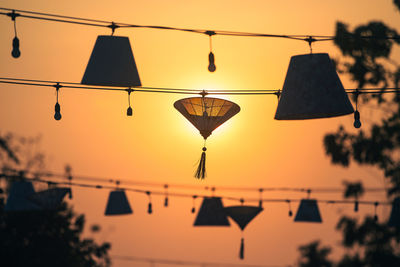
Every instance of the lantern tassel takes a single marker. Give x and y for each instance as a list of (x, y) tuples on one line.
[(201, 169), (241, 252)]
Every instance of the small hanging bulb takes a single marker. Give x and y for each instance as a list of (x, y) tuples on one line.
[(211, 57), (166, 196), (68, 172), (211, 62), (150, 206), (376, 215), (357, 122), (193, 207), (129, 110), (57, 114), (57, 107), (16, 53), (290, 208), (356, 206)]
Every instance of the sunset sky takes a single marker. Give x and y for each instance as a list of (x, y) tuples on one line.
[(158, 145)]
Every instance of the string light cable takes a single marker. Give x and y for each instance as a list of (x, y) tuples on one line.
[(168, 90), (186, 195), (185, 262), (114, 25), (92, 179)]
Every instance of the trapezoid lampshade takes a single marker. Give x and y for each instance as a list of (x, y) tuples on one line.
[(211, 213), (112, 63), (51, 198), (308, 211), (312, 90), (394, 219), (18, 198), (117, 204)]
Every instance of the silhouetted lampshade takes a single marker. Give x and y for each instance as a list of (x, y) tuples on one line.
[(308, 211), (112, 63), (118, 203), (206, 113), (18, 198), (312, 89), (211, 213), (50, 198), (394, 219), (242, 215)]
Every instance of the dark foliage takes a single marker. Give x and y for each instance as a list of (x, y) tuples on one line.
[(367, 61)]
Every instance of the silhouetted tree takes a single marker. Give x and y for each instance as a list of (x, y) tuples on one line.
[(368, 62), (43, 238), (313, 255)]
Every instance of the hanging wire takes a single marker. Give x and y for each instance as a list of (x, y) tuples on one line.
[(184, 195), (321, 190), (71, 85), (110, 24)]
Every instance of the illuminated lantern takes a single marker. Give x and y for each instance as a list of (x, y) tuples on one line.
[(242, 215), (312, 89), (206, 114), (308, 211), (211, 213), (112, 63)]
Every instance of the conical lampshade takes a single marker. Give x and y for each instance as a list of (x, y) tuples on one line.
[(242, 215), (18, 199), (312, 89), (211, 213), (394, 219), (308, 211), (117, 204), (49, 199), (112, 63), (206, 113)]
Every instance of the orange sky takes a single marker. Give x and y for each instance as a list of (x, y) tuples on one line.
[(157, 144)]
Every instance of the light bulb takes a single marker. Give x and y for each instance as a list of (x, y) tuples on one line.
[(15, 52), (357, 122), (211, 60), (129, 112), (57, 114)]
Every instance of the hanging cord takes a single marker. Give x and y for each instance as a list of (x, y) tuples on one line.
[(357, 122), (260, 202), (241, 251), (310, 40), (308, 193), (57, 107), (193, 203), (16, 53), (211, 57), (129, 110)]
